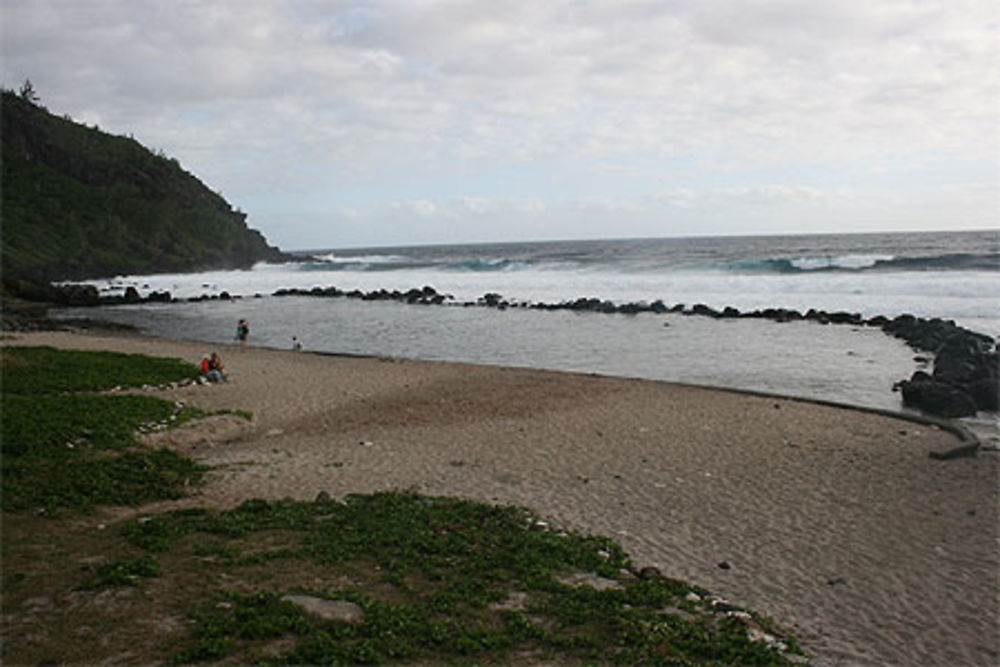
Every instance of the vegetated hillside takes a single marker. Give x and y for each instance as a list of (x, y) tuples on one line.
[(80, 203)]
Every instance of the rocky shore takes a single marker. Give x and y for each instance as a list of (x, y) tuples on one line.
[(966, 364)]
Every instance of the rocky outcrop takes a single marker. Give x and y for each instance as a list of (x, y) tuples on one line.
[(966, 368), (425, 296)]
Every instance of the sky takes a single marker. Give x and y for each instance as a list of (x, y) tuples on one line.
[(350, 124)]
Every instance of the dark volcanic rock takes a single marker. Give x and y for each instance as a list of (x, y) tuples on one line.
[(965, 372), (491, 299), (985, 394), (781, 314), (820, 316), (159, 297), (937, 398), (633, 308), (845, 318), (702, 309)]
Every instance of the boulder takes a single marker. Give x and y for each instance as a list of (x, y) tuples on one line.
[(985, 394), (491, 299), (820, 316), (77, 295), (841, 317), (702, 309), (633, 308), (937, 398), (584, 303), (159, 297)]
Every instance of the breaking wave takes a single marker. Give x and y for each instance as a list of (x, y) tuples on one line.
[(861, 262)]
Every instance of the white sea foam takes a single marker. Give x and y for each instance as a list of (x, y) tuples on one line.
[(839, 262), (334, 258), (961, 295)]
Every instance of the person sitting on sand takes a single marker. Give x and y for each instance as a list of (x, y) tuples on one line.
[(296, 344), (212, 368), (216, 365)]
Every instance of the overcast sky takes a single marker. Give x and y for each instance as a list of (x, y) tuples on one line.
[(337, 124)]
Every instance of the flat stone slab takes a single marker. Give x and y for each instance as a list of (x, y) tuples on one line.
[(206, 431), (516, 601), (588, 579), (330, 610)]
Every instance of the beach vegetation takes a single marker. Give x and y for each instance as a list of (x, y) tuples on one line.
[(425, 580), (65, 446), (47, 370), (435, 579), (125, 572)]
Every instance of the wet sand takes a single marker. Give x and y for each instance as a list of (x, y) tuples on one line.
[(833, 521)]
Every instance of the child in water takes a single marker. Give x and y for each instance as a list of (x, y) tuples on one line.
[(243, 332)]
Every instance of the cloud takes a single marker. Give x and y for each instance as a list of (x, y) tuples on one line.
[(353, 104), (420, 207)]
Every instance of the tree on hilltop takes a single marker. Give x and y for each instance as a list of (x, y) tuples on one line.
[(27, 92)]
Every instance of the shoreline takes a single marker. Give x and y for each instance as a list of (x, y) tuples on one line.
[(969, 440), (961, 383), (970, 436), (833, 520)]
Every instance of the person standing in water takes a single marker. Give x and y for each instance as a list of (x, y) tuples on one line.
[(243, 332)]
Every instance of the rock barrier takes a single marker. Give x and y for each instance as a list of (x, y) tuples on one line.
[(964, 380)]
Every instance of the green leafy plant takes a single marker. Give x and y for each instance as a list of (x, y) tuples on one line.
[(434, 579), (46, 370), (126, 572), (76, 450)]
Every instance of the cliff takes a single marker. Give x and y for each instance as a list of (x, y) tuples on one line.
[(80, 203)]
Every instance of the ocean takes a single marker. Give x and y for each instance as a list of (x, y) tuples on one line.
[(950, 275)]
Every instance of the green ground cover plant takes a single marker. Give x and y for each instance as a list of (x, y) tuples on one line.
[(64, 447), (434, 579), (47, 370), (126, 572)]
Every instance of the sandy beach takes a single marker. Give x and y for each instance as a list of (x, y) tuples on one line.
[(833, 521)]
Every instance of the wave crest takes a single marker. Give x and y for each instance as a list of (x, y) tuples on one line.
[(862, 262)]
